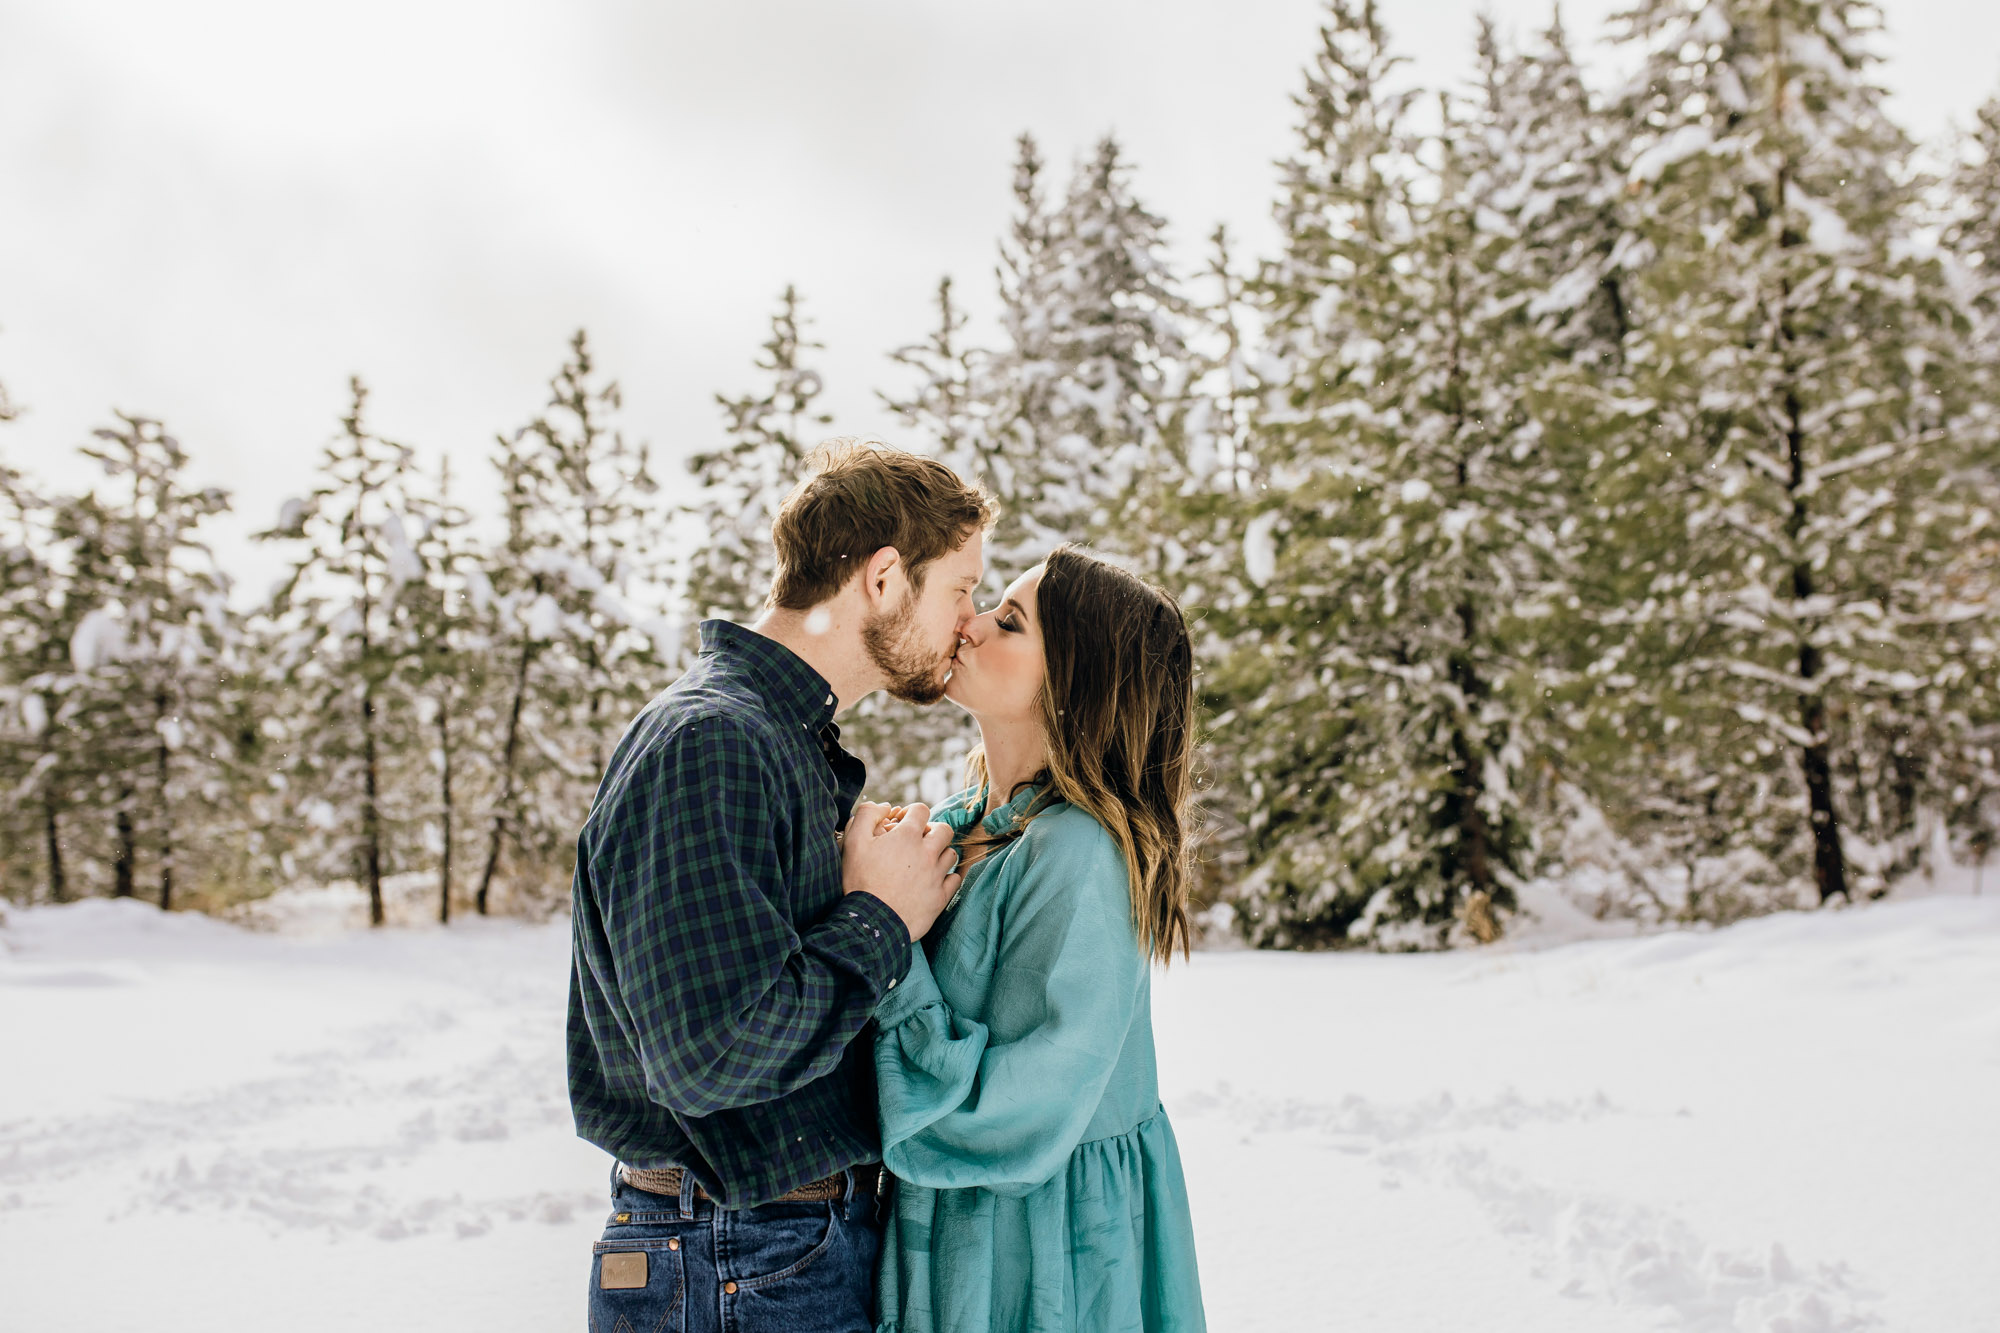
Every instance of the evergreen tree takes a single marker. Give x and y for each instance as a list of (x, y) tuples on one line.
[(340, 621), (446, 671), (1090, 388), (1224, 391), (1074, 426), (918, 753), (1797, 349), (1372, 780), (1554, 197), (1199, 539), (1549, 152), (1966, 736), (150, 648), (771, 430), (950, 409), (36, 760), (578, 659)]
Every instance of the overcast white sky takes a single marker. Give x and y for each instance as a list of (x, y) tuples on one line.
[(213, 211)]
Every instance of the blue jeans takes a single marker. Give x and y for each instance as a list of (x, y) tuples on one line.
[(685, 1266)]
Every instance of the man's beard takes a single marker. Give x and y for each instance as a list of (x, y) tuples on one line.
[(915, 675)]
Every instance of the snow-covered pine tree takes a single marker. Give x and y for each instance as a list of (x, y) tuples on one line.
[(771, 430), (1073, 425), (36, 759), (916, 753), (446, 669), (1972, 213), (339, 623), (598, 528), (1278, 742), (149, 650), (576, 660), (949, 409), (1547, 148), (1968, 596), (1799, 351), (1090, 388), (517, 617), (1385, 695), (1199, 535), (1200, 531), (1356, 719), (1223, 391), (1551, 153), (1013, 391)]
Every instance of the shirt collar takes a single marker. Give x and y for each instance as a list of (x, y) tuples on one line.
[(1003, 817), (795, 691)]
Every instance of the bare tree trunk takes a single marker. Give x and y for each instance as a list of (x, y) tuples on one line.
[(506, 803), (596, 709), (444, 792), (1475, 838), (127, 851), (1815, 761), (1815, 757), (161, 774), (371, 815), (52, 839)]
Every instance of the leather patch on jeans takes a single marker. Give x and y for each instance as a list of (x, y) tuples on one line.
[(622, 1269)]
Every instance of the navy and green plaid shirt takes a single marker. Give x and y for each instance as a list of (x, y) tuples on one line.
[(720, 977)]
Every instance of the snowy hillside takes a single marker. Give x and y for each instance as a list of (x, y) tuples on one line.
[(1783, 1127)]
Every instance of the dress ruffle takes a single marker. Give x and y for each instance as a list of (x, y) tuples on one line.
[(1104, 1247)]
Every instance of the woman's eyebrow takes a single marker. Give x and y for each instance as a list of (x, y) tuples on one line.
[(1017, 606)]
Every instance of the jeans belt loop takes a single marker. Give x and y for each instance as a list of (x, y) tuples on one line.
[(687, 1194)]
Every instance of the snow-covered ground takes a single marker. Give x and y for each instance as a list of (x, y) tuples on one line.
[(1788, 1126)]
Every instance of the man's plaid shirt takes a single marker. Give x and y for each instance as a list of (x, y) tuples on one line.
[(721, 979)]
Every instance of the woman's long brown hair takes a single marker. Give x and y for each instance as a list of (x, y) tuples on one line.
[(1117, 707)]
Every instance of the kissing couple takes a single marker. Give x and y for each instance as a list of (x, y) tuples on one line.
[(870, 1067)]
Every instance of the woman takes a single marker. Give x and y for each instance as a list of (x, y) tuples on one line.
[(1038, 1183)]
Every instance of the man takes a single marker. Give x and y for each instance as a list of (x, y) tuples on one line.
[(731, 945)]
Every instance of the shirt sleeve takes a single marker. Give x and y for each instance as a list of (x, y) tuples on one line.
[(962, 1109), (725, 1004)]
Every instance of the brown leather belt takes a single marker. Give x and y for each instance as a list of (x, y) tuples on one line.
[(667, 1181)]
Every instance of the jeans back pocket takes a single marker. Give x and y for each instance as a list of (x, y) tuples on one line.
[(637, 1285)]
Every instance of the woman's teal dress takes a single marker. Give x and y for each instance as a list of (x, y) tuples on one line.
[(1038, 1186)]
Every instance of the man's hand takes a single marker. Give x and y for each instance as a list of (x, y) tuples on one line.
[(909, 864)]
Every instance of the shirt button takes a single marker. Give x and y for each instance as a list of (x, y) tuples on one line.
[(729, 1287), (892, 983)]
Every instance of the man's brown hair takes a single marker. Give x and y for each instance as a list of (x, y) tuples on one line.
[(857, 497)]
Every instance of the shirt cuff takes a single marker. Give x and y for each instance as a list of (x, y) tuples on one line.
[(917, 989), (884, 939)]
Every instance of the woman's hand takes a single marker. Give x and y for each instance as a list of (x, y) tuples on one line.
[(913, 870)]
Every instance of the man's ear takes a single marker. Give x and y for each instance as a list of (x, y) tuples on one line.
[(883, 578)]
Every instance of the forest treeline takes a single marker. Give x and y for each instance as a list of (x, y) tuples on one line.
[(1602, 480)]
